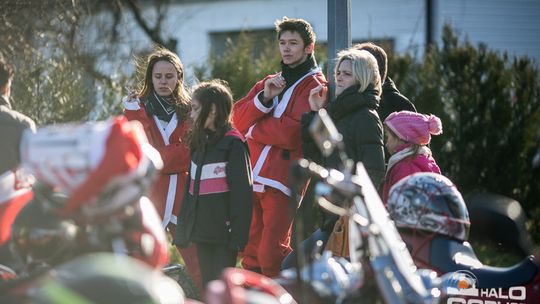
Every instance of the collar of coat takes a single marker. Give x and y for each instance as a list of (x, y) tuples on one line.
[(389, 86), (350, 100), (405, 151), (4, 101), (226, 140), (292, 75)]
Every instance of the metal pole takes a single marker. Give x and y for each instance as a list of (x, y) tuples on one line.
[(429, 24), (339, 34)]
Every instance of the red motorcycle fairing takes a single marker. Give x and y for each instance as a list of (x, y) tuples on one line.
[(241, 286), (6, 273), (148, 240)]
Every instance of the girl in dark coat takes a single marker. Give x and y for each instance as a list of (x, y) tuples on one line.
[(354, 111), (217, 205)]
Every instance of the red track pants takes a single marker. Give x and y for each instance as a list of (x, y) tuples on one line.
[(270, 232)]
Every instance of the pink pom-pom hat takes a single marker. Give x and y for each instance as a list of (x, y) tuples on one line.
[(414, 127)]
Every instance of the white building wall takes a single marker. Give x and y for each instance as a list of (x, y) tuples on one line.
[(204, 18), (401, 20), (512, 25)]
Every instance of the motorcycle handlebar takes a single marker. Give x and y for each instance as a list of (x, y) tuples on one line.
[(304, 169)]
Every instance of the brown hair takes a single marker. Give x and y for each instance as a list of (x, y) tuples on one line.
[(6, 72), (300, 26), (214, 92), (180, 94), (379, 54)]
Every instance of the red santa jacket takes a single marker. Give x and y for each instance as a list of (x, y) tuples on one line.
[(273, 133), (15, 193), (168, 189)]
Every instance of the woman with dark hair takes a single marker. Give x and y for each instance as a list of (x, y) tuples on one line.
[(162, 106), (217, 206)]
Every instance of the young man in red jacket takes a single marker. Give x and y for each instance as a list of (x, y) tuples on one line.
[(269, 116)]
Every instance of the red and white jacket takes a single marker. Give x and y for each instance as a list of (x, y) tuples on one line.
[(273, 133), (168, 189), (15, 193)]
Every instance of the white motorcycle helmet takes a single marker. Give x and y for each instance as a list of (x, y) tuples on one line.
[(429, 202)]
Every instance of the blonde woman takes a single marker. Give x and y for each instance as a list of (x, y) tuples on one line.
[(354, 111)]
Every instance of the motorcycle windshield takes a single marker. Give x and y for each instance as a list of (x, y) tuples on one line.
[(388, 242)]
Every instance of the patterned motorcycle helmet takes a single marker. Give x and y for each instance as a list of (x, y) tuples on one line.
[(429, 202)]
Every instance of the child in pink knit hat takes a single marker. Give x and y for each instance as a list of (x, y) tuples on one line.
[(407, 135)]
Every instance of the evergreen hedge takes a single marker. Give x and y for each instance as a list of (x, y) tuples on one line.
[(489, 105)]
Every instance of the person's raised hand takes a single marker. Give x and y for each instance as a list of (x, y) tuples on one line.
[(273, 86), (317, 97), (131, 100)]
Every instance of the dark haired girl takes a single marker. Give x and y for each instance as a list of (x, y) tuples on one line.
[(217, 206)]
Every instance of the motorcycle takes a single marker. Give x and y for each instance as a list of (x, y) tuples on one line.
[(88, 200), (94, 278)]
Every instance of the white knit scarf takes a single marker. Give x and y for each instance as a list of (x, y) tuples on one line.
[(409, 151)]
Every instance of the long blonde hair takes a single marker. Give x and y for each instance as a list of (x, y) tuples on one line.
[(364, 68)]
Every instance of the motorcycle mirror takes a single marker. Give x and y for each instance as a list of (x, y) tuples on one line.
[(325, 133)]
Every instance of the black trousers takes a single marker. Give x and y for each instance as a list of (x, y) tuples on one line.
[(213, 258)]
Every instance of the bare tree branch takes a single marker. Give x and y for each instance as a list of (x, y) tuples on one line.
[(153, 32)]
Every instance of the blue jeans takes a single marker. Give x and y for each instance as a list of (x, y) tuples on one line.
[(307, 247)]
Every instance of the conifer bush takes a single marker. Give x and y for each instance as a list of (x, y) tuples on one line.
[(242, 67), (239, 66), (489, 105)]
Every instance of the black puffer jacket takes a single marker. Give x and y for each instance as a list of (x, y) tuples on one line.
[(218, 195), (356, 118), (392, 100)]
